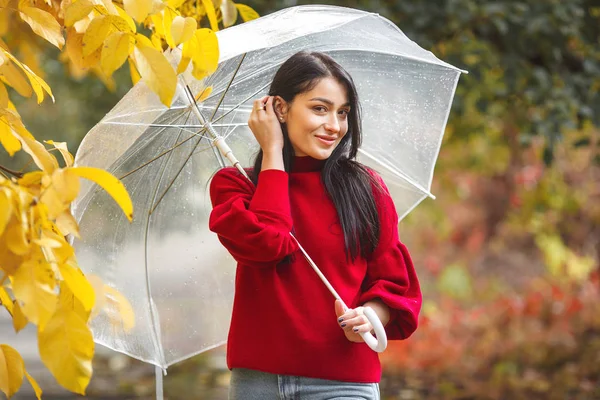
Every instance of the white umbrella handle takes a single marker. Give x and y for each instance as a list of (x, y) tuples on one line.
[(378, 343)]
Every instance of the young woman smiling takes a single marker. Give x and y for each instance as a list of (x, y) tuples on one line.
[(287, 338)]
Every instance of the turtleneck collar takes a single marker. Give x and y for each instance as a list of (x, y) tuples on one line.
[(307, 164)]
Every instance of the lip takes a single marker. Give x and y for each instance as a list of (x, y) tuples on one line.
[(326, 140)]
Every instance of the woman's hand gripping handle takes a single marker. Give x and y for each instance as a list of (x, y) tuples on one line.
[(358, 323)]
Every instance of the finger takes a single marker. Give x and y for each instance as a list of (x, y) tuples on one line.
[(350, 313), (351, 323), (269, 105), (339, 310), (364, 328)]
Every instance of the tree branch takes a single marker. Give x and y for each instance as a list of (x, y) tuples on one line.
[(16, 174)]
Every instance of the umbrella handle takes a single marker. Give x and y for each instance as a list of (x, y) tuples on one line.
[(378, 343)]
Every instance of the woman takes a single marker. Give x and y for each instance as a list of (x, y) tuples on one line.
[(287, 338)]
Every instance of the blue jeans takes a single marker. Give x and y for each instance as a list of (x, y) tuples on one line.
[(247, 384)]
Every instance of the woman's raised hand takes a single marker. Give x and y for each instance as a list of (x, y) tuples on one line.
[(264, 125)]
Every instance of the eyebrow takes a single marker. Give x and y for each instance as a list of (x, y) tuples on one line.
[(329, 102)]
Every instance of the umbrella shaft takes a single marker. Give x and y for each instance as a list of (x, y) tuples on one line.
[(319, 273)]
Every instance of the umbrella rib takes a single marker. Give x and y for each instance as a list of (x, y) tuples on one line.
[(400, 173), (170, 183), (226, 89), (157, 157), (203, 130)]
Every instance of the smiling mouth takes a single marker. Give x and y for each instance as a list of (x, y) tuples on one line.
[(326, 140)]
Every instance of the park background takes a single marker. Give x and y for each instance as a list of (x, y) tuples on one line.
[(508, 254)]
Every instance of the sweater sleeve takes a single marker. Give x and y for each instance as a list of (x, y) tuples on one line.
[(391, 275), (252, 224)]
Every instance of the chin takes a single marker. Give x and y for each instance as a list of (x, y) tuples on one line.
[(320, 154)]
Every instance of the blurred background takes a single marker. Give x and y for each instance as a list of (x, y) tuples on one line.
[(508, 254)]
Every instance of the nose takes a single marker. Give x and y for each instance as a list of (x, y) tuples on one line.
[(333, 125)]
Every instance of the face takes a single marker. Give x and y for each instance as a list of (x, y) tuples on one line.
[(317, 120)]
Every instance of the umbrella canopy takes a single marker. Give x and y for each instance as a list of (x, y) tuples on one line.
[(175, 273)]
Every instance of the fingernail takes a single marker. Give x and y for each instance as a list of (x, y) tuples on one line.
[(340, 319), (343, 325), (355, 329)]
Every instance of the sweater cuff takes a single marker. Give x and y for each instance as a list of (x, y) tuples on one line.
[(272, 192)]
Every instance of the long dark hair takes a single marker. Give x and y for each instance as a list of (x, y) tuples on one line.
[(349, 184)]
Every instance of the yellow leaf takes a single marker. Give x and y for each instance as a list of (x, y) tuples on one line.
[(109, 7), (51, 199), (138, 9), (6, 300), (182, 29), (117, 47), (9, 262), (127, 19), (78, 10), (175, 3), (14, 77), (143, 40), (203, 50), (47, 242), (64, 151), (108, 182), (43, 24), (4, 21), (75, 50), (66, 183), (84, 23), (18, 318), (135, 75), (98, 286), (157, 72), (42, 158), (35, 386), (10, 143), (229, 12), (6, 209), (95, 34), (3, 96), (156, 42), (168, 15), (157, 23), (79, 286), (68, 301), (30, 54), (12, 370), (157, 6), (16, 238), (33, 285), (38, 84), (31, 179), (247, 13), (67, 224), (125, 317), (209, 7), (203, 95), (67, 348)]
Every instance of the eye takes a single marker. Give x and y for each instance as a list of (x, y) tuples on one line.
[(320, 109), (344, 113)]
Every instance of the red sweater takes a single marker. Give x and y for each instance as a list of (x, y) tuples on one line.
[(283, 319)]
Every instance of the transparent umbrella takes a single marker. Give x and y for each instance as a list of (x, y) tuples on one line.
[(176, 275)]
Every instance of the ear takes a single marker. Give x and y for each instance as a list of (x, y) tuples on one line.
[(281, 108)]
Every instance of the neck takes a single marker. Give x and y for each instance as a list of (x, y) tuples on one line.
[(307, 164)]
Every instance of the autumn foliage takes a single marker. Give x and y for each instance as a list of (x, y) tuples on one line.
[(40, 280)]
